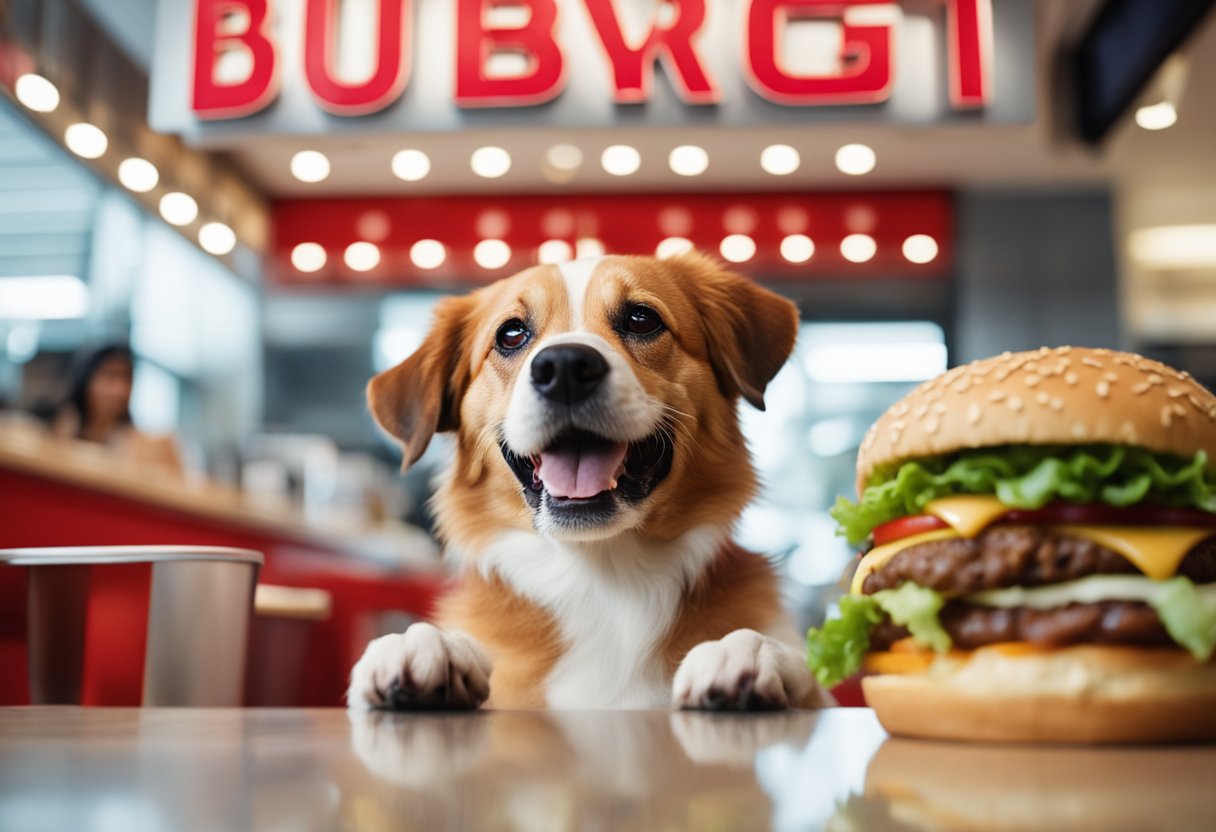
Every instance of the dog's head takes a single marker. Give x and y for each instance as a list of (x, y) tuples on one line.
[(593, 397)]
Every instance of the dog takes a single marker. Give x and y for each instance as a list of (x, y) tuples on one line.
[(599, 469)]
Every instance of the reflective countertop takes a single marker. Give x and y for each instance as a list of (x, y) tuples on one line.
[(185, 769)]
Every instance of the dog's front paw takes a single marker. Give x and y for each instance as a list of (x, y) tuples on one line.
[(744, 671), (422, 668)]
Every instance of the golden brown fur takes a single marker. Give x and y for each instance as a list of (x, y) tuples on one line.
[(522, 637)]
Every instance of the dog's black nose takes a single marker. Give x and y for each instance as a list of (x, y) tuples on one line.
[(568, 373)]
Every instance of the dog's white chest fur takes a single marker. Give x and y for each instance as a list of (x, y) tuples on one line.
[(613, 600)]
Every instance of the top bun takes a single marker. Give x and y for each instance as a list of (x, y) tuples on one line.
[(1061, 396)]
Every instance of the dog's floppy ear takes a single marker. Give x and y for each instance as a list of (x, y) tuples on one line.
[(421, 395), (749, 330)]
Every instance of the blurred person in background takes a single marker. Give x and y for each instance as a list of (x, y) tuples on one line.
[(95, 407)]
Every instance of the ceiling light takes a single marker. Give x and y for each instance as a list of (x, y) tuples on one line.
[(490, 162), (36, 93), (1157, 116), (587, 247), (564, 157), (492, 254), (216, 238), (554, 251), (178, 208), (310, 166), (362, 256), (797, 248), (855, 159), (688, 160), (858, 248), (621, 160), (738, 248), (920, 248), (428, 254), (85, 140), (138, 175), (43, 298), (779, 159), (308, 257), (410, 165), (673, 247), (1174, 246)]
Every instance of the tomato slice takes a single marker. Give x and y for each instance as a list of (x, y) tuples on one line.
[(1102, 515), (894, 530), (1057, 514)]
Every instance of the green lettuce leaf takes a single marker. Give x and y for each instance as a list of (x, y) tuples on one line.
[(835, 650), (1029, 477), (1189, 615), (916, 607)]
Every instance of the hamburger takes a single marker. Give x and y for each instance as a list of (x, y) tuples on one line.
[(1041, 555)]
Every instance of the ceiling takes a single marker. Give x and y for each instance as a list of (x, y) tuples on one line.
[(1040, 153), (1036, 154)]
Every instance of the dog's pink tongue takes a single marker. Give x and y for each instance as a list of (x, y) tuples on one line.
[(581, 471)]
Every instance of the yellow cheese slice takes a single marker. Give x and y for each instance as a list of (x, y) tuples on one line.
[(1156, 551), (968, 514), (877, 557)]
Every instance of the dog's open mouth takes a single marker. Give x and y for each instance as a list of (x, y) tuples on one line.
[(582, 467), (579, 466)]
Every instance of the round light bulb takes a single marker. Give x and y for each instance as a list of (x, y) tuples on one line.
[(920, 248), (855, 159), (178, 208), (216, 238), (858, 248), (310, 166), (738, 248), (492, 254), (428, 254), (308, 257), (138, 175), (672, 247), (86, 140), (36, 93), (410, 165), (797, 248), (490, 162), (621, 160), (554, 251), (688, 160), (779, 159)]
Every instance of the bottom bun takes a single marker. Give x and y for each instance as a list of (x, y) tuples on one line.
[(1085, 694)]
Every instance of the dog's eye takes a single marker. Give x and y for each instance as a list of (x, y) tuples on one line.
[(642, 320), (512, 335)]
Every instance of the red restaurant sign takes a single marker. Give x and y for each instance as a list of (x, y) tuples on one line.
[(863, 76), (577, 55)]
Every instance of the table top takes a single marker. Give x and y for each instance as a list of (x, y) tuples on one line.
[(185, 769)]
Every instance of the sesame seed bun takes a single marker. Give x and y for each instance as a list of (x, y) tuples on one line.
[(1082, 694), (1061, 396)]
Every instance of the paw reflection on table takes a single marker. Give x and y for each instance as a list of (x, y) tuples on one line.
[(552, 770), (416, 751), (734, 740)]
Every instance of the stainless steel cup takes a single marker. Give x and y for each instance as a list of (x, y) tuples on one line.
[(198, 620)]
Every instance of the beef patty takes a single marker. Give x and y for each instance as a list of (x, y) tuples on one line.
[(1109, 622), (1003, 556)]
